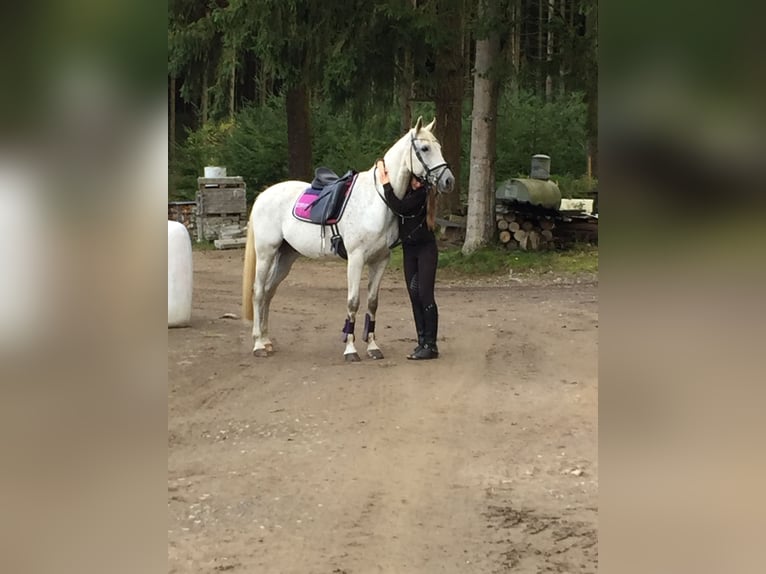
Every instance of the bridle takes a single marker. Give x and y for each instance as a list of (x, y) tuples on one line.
[(431, 175), (433, 180)]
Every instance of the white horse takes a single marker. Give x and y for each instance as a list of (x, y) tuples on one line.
[(276, 238)]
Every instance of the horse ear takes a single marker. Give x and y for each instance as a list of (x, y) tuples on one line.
[(418, 124), (430, 127)]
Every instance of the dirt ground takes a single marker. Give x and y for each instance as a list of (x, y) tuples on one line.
[(483, 461)]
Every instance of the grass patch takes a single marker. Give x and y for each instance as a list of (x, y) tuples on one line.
[(492, 260), (202, 245), (498, 261)]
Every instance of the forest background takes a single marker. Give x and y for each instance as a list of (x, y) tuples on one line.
[(272, 89)]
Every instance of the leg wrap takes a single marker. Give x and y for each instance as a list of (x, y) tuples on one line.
[(348, 329), (369, 327)]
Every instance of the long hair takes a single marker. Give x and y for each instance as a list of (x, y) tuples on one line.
[(431, 208)]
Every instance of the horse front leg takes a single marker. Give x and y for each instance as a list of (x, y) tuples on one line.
[(376, 271), (355, 266)]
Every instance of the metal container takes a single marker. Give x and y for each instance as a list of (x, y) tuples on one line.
[(541, 167), (532, 191)]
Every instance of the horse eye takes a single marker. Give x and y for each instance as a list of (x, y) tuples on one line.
[(424, 148)]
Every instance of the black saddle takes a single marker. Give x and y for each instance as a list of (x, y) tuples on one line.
[(331, 194), (323, 176)]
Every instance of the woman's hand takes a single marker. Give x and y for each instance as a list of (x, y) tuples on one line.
[(382, 172)]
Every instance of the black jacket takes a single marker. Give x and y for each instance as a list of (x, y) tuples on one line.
[(411, 210)]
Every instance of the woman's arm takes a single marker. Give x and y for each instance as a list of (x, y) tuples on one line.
[(410, 204)]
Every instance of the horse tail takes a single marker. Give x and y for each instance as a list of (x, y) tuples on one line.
[(248, 274)]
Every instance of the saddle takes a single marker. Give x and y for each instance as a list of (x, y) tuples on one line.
[(324, 201)]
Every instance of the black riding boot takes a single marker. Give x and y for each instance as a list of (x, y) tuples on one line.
[(420, 325), (429, 349)]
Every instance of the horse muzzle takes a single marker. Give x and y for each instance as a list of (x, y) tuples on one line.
[(443, 179)]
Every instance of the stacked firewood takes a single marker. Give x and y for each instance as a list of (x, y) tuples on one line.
[(525, 231)]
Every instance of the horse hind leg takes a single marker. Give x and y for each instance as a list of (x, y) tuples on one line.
[(281, 262), (262, 345)]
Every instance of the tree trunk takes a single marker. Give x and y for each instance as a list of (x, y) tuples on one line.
[(481, 184), (539, 75), (515, 45), (591, 87), (172, 134), (233, 85), (562, 68), (449, 99), (299, 133), (405, 91), (406, 86), (205, 96), (261, 84), (172, 126), (549, 52)]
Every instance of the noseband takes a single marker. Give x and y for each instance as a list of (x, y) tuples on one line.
[(433, 174)]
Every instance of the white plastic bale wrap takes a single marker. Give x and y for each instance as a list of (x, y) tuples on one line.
[(26, 262), (180, 277)]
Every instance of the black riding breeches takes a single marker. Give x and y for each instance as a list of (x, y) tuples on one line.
[(420, 272)]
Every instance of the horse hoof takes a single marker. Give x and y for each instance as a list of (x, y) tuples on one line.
[(352, 358), (261, 353), (375, 354), (269, 348)]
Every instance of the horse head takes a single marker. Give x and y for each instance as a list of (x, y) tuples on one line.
[(426, 159)]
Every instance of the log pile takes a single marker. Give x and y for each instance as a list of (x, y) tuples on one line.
[(184, 212), (531, 228), (525, 231), (574, 229)]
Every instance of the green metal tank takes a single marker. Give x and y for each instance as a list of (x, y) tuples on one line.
[(538, 192)]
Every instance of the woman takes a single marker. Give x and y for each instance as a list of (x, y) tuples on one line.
[(417, 216)]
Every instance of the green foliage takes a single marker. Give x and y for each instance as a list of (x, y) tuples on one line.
[(343, 142), (499, 261), (396, 263), (203, 246), (581, 259), (486, 261), (528, 125), (202, 147), (257, 146), (575, 187), (254, 145), (496, 261)]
